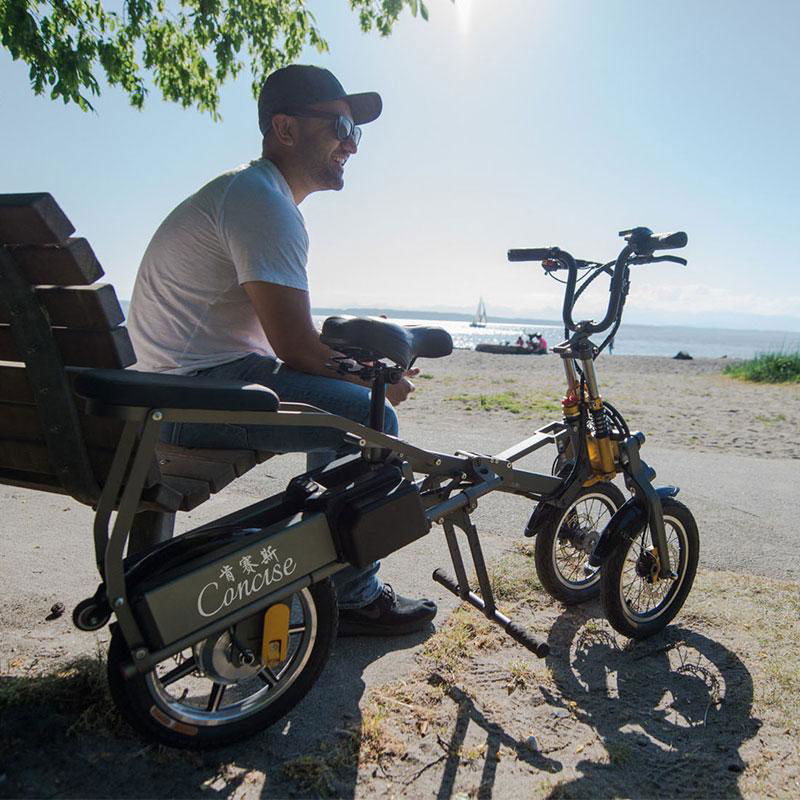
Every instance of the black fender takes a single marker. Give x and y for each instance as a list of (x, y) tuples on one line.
[(532, 527), (629, 521)]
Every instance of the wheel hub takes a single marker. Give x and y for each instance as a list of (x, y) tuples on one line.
[(581, 538), (223, 661), (648, 565)]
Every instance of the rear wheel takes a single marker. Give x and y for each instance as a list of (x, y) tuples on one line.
[(637, 602), (565, 537), (218, 691)]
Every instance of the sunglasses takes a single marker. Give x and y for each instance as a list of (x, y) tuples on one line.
[(345, 127)]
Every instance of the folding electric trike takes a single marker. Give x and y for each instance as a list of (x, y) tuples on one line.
[(220, 631)]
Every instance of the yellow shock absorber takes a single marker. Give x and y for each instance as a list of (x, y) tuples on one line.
[(603, 452), (606, 455), (594, 454), (569, 406), (275, 642)]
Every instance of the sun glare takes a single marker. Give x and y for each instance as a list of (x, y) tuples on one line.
[(464, 14)]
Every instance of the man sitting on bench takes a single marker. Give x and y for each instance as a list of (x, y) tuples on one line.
[(222, 292)]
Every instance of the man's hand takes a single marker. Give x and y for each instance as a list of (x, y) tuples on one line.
[(397, 392)]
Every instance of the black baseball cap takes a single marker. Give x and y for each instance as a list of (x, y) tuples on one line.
[(301, 85)]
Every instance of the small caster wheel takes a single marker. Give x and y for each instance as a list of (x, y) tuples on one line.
[(91, 615)]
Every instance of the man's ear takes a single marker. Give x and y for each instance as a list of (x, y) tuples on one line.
[(283, 126)]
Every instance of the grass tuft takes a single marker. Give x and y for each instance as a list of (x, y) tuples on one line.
[(465, 632), (312, 773), (768, 368), (511, 402)]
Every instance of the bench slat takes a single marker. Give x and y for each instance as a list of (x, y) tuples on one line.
[(216, 474), (22, 422), (93, 308), (193, 492), (112, 349), (240, 461), (15, 387), (33, 218), (73, 263), (156, 498), (27, 456)]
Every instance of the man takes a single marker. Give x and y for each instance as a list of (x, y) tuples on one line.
[(222, 292)]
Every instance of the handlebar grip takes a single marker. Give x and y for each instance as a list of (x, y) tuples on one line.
[(530, 254), (669, 241)]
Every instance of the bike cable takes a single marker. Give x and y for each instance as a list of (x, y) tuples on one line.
[(617, 419)]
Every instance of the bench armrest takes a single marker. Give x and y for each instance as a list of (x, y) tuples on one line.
[(127, 387)]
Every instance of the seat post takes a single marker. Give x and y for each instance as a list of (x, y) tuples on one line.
[(377, 405)]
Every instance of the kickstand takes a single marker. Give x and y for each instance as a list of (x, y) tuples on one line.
[(485, 603)]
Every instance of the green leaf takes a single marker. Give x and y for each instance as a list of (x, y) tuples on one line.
[(187, 48)]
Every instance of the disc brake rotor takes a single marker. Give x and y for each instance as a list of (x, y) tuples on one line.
[(222, 660)]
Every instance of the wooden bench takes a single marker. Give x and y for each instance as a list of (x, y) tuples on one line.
[(55, 320)]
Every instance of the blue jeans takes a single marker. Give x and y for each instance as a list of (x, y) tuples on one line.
[(355, 588)]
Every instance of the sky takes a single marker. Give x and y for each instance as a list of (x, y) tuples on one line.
[(506, 123)]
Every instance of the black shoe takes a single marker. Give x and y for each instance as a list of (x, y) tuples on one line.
[(388, 615)]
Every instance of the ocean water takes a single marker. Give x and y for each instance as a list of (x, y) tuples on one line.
[(643, 340), (640, 340)]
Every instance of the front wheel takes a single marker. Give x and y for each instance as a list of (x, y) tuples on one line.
[(218, 691), (637, 602), (565, 538)]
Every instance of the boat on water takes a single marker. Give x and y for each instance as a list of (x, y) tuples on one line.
[(535, 346), (479, 320), (507, 349)]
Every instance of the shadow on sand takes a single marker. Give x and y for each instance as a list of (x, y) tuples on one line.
[(60, 737), (671, 711)]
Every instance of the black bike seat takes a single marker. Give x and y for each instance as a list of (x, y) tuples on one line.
[(371, 339)]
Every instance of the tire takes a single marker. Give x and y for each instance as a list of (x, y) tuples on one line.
[(559, 559), (199, 711), (634, 605)]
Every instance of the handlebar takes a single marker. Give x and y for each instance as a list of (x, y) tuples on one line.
[(641, 244), (531, 254), (645, 242)]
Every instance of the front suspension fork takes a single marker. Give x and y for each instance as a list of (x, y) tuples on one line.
[(639, 477)]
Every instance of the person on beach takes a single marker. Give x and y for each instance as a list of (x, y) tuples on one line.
[(542, 343), (222, 292)]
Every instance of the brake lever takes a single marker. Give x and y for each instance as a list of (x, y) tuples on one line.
[(652, 259)]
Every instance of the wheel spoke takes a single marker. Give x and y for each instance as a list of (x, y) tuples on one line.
[(215, 698), (268, 677), (296, 629), (181, 671)]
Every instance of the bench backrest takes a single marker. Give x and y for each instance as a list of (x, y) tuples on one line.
[(54, 320), (53, 315)]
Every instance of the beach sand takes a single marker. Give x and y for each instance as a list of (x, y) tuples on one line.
[(680, 404), (709, 707)]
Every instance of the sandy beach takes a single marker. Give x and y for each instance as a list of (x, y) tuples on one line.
[(711, 702), (681, 404)]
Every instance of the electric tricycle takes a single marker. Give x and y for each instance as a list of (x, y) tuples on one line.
[(222, 630)]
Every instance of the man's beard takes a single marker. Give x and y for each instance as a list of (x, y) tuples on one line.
[(330, 176)]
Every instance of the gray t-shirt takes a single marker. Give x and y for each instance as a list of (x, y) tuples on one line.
[(189, 310)]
